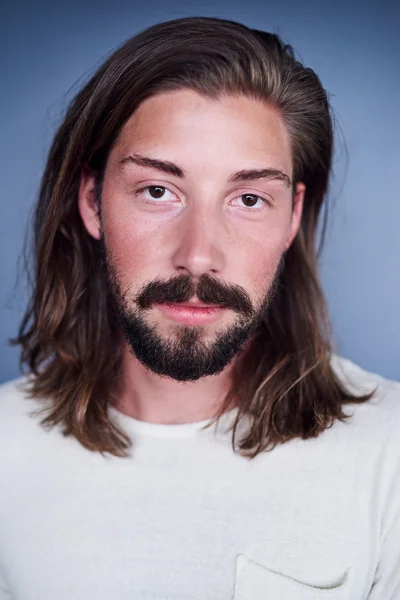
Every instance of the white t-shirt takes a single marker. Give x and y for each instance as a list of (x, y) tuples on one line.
[(186, 518)]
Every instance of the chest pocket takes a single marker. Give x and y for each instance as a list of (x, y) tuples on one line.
[(256, 582)]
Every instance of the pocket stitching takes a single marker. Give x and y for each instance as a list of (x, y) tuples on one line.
[(340, 584)]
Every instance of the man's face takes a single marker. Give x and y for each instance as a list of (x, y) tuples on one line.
[(197, 210)]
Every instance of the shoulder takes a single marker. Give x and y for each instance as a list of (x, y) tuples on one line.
[(13, 397), (380, 414), (18, 416)]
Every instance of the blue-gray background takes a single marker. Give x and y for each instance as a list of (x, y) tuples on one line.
[(353, 46)]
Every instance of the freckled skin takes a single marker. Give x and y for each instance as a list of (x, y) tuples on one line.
[(201, 224)]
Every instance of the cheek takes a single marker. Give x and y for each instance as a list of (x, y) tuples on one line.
[(260, 257), (134, 246)]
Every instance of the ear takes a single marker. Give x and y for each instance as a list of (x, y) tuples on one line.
[(297, 212), (87, 202)]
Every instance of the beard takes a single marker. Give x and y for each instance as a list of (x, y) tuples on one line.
[(185, 356)]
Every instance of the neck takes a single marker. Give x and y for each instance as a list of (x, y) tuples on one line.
[(149, 397)]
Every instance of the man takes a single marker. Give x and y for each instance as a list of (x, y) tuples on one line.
[(198, 438)]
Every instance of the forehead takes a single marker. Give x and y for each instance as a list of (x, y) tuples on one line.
[(184, 125)]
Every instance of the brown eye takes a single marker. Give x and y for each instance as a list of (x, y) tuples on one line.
[(250, 200), (156, 191)]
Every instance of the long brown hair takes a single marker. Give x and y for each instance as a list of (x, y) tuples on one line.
[(69, 335)]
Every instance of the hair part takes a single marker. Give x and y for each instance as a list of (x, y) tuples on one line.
[(69, 336)]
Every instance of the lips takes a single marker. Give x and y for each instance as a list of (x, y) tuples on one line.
[(197, 305), (191, 313)]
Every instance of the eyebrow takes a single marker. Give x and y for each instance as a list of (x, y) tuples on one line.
[(172, 169), (154, 163), (268, 173)]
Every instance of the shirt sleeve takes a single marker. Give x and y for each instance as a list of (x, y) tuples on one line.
[(5, 593), (387, 577)]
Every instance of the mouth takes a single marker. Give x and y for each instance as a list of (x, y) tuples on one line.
[(191, 313)]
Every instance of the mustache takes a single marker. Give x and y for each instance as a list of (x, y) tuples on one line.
[(209, 290)]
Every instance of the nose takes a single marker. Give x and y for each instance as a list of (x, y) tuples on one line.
[(199, 243)]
